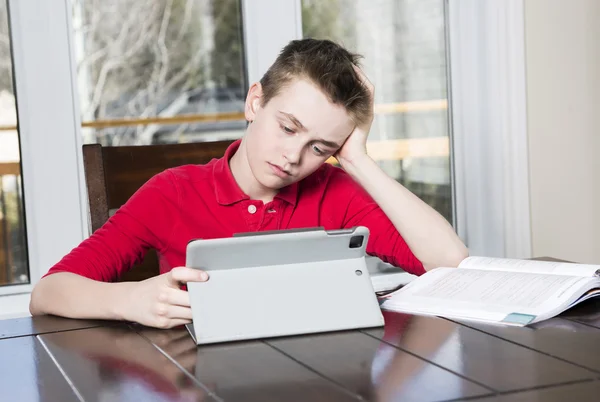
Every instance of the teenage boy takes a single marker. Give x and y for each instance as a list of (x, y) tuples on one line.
[(314, 102)]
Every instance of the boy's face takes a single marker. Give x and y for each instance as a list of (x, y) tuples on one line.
[(293, 134)]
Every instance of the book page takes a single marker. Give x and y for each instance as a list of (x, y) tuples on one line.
[(588, 295), (546, 267), (482, 289)]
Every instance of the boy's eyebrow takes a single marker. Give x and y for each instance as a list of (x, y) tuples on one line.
[(293, 119)]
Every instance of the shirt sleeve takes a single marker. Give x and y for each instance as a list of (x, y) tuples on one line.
[(359, 209), (145, 221)]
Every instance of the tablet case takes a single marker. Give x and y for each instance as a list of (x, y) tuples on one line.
[(270, 284)]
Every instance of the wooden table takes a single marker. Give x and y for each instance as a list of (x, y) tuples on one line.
[(413, 358)]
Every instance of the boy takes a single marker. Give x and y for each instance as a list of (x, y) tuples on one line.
[(313, 103)]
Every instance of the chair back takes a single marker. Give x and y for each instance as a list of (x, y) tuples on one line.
[(114, 174)]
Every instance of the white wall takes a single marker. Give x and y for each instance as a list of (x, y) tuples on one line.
[(563, 85)]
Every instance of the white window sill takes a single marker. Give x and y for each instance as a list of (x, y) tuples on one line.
[(14, 306)]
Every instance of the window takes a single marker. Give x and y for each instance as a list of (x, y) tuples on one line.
[(155, 71), (14, 267), (410, 139), (404, 47)]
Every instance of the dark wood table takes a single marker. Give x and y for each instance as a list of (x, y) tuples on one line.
[(413, 358)]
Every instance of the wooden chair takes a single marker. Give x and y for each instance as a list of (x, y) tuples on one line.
[(113, 174)]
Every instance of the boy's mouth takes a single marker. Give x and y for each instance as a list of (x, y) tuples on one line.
[(279, 171)]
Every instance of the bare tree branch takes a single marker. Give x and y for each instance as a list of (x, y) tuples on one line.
[(118, 58), (160, 68), (146, 133), (187, 17), (144, 57)]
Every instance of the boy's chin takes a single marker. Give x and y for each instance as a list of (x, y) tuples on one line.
[(274, 183)]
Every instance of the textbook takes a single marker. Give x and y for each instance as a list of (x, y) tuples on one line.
[(497, 290)]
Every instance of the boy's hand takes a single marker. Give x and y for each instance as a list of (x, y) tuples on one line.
[(159, 302), (355, 146)]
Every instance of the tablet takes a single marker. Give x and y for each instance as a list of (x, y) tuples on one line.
[(280, 283)]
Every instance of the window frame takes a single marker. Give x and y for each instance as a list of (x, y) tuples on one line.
[(47, 150)]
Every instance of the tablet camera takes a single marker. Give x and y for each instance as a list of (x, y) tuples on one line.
[(356, 241)]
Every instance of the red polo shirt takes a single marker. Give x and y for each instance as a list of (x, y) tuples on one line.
[(204, 202)]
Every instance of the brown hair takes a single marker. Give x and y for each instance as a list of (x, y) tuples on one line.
[(327, 65)]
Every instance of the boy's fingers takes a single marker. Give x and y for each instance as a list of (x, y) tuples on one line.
[(178, 321), (177, 297), (179, 312), (185, 274)]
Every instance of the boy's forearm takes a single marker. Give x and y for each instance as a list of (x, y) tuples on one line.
[(430, 237), (70, 295)]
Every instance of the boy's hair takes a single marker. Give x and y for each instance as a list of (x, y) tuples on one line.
[(327, 65)]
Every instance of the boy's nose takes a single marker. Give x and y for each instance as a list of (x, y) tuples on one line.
[(293, 153)]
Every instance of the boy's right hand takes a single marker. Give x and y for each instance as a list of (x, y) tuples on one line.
[(159, 302)]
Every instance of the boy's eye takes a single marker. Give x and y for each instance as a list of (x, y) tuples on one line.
[(317, 150), (287, 130)]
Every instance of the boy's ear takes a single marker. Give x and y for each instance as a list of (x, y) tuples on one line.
[(253, 101)]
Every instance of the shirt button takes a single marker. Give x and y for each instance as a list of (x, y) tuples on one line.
[(252, 209)]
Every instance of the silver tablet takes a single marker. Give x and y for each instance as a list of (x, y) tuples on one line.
[(270, 284)]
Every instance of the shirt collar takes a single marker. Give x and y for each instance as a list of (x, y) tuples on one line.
[(228, 192)]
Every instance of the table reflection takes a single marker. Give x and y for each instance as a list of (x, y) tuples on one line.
[(115, 363)]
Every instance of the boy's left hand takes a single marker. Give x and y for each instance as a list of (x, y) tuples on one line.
[(355, 146)]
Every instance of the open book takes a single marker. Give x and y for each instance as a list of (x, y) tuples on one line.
[(498, 290)]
